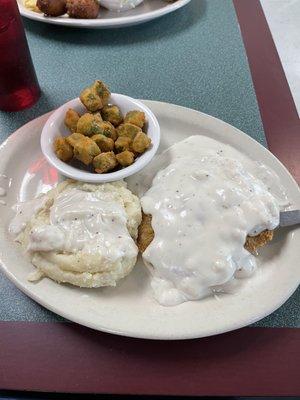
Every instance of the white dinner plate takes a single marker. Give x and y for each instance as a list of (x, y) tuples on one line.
[(148, 10), (129, 309)]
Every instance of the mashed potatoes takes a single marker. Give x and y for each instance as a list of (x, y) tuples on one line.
[(81, 233)]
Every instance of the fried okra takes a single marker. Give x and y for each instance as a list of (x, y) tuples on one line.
[(62, 149), (112, 114), (102, 91), (102, 136), (122, 143), (128, 130), (71, 119), (97, 114), (125, 158), (95, 97), (136, 118), (52, 8), (72, 139), (108, 130), (104, 143), (89, 124), (105, 162), (90, 99), (85, 150), (140, 143), (86, 9)]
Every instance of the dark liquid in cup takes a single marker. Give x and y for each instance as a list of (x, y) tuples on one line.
[(19, 87)]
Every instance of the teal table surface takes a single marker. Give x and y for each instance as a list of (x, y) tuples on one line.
[(194, 57)]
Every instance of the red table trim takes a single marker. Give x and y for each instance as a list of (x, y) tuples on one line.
[(278, 111), (70, 358), (65, 357)]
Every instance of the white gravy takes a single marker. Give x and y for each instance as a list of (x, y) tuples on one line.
[(204, 202), (120, 5), (24, 213), (80, 220)]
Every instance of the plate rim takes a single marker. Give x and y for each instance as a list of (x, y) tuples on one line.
[(98, 23), (180, 336)]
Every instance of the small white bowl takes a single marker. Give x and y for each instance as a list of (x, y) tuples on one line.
[(55, 127)]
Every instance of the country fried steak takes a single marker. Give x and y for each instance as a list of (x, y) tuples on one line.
[(146, 235)]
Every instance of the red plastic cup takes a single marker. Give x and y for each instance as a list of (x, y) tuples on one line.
[(19, 87)]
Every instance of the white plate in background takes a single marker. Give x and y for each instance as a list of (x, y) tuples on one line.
[(148, 10), (129, 309)]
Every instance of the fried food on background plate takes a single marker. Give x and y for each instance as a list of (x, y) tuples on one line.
[(52, 8), (146, 235), (86, 9)]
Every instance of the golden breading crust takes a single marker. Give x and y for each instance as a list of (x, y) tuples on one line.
[(53, 8), (254, 242), (146, 235), (83, 8)]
